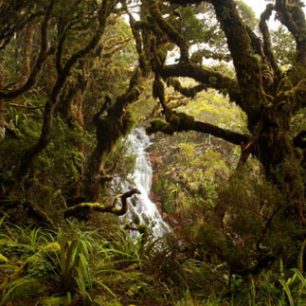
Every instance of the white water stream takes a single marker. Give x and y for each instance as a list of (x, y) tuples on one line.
[(141, 208)]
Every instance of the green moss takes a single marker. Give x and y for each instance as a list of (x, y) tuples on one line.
[(55, 301), (213, 80), (186, 120), (157, 125), (128, 122), (297, 73), (256, 59)]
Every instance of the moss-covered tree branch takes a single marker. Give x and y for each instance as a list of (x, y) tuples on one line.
[(198, 56), (51, 103), (112, 122), (179, 122), (42, 56), (143, 64), (167, 28), (205, 76), (290, 14), (267, 45), (86, 208), (246, 64)]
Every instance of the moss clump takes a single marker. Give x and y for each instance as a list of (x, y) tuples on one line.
[(185, 121), (158, 125)]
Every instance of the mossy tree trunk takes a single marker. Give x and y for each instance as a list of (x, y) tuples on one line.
[(112, 122), (268, 97), (63, 73)]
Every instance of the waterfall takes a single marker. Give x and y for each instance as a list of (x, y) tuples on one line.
[(141, 209)]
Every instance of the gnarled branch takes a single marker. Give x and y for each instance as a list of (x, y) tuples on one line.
[(246, 64), (109, 128), (85, 208), (43, 55), (208, 77), (267, 45), (50, 105), (198, 56), (292, 16), (166, 27), (179, 122)]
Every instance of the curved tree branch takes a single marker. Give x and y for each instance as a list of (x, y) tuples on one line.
[(43, 55), (166, 27), (267, 45), (109, 128), (44, 139), (86, 208), (208, 77), (292, 16), (179, 122)]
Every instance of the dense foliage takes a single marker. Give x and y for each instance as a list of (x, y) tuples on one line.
[(224, 99)]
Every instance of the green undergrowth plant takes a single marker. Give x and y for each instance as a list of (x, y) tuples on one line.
[(72, 265), (82, 265), (78, 264), (294, 288)]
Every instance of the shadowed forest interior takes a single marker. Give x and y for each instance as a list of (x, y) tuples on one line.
[(152, 152)]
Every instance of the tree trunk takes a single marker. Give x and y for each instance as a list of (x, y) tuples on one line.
[(282, 163), (112, 122)]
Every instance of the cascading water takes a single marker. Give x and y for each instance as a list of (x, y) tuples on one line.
[(141, 209)]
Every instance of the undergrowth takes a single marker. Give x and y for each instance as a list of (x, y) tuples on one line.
[(81, 266)]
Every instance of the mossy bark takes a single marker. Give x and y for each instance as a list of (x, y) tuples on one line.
[(63, 72), (109, 129), (82, 210)]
